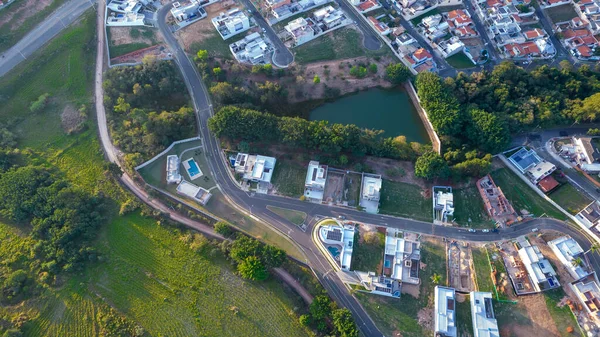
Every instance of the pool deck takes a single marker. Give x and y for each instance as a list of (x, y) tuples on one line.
[(189, 169)]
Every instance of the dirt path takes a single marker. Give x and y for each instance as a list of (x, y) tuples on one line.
[(289, 279)]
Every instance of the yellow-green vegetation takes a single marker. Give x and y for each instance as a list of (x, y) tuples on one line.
[(295, 217), (288, 178), (469, 208), (569, 198), (135, 32), (367, 254), (14, 25), (215, 45), (562, 316), (521, 196), (393, 314), (482, 270), (342, 44), (405, 200)]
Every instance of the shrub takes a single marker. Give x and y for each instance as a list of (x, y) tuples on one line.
[(39, 104)]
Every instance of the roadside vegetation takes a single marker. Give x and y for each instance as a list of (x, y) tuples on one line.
[(295, 217)]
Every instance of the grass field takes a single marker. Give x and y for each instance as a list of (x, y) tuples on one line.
[(295, 217), (12, 30), (469, 208), (561, 13), (521, 196), (482, 270), (215, 45), (392, 314), (405, 200), (569, 198), (460, 61), (63, 72), (342, 44), (463, 316), (367, 254), (288, 178)]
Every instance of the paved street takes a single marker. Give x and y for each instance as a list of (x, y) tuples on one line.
[(44, 32), (370, 39), (282, 56)]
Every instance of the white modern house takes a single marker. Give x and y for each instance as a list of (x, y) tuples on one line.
[(173, 176), (587, 291), (370, 192), (445, 312), (531, 165), (443, 203), (300, 31), (255, 168), (231, 23), (126, 6), (252, 49), (401, 257), (542, 275), (338, 239), (125, 20), (567, 250), (314, 185), (482, 312), (194, 192), (190, 10)]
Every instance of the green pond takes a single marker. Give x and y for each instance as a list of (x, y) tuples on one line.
[(379, 109)]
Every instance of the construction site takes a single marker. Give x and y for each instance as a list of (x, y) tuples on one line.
[(460, 267), (496, 204)]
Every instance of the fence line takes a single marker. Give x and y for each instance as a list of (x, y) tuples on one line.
[(165, 151)]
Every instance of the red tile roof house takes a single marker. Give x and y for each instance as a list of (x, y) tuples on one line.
[(368, 5), (526, 49), (534, 34), (464, 32), (419, 57), (556, 2), (459, 18), (381, 27)]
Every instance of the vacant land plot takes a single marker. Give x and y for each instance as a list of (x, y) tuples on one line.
[(460, 61), (288, 178), (570, 198), (124, 40), (463, 315), (63, 69), (295, 217), (483, 272), (352, 186), (341, 44), (521, 196), (561, 313), (368, 249), (561, 13), (405, 200), (21, 17), (469, 209), (334, 187), (410, 316)]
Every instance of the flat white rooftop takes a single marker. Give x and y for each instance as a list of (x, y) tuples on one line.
[(566, 250), (482, 312), (255, 167), (445, 311), (538, 267)]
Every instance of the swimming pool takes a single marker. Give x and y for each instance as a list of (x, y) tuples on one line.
[(192, 168), (335, 251)]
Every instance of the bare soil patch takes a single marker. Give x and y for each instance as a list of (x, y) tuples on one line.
[(542, 322), (73, 120), (122, 35), (389, 169), (21, 11)]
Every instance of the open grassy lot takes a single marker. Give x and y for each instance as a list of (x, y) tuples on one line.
[(405, 200), (216, 46), (288, 178), (570, 198), (460, 61), (295, 217), (463, 316), (482, 270), (136, 38), (341, 44), (17, 20), (401, 315), (368, 251), (561, 13), (521, 196), (60, 70), (469, 208), (562, 316)]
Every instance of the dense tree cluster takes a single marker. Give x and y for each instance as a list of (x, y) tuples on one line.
[(397, 73), (323, 313), (254, 259), (255, 126), (148, 105)]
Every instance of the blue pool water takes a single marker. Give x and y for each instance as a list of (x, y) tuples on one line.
[(334, 251), (193, 170)]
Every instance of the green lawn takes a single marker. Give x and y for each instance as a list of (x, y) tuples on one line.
[(123, 49), (344, 43), (482, 270), (367, 254), (521, 196), (469, 209), (392, 314), (12, 29), (405, 200), (569, 198), (463, 316), (288, 178), (215, 45), (561, 13), (295, 217), (562, 316), (460, 61)]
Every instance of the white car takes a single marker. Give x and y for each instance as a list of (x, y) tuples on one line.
[(535, 230), (472, 230), (485, 230)]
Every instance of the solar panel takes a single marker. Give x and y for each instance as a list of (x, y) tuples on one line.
[(335, 235)]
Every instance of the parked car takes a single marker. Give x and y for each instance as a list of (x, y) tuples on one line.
[(495, 230), (472, 230), (535, 230), (485, 230)]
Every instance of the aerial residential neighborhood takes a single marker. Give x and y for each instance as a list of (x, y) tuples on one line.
[(300, 168)]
